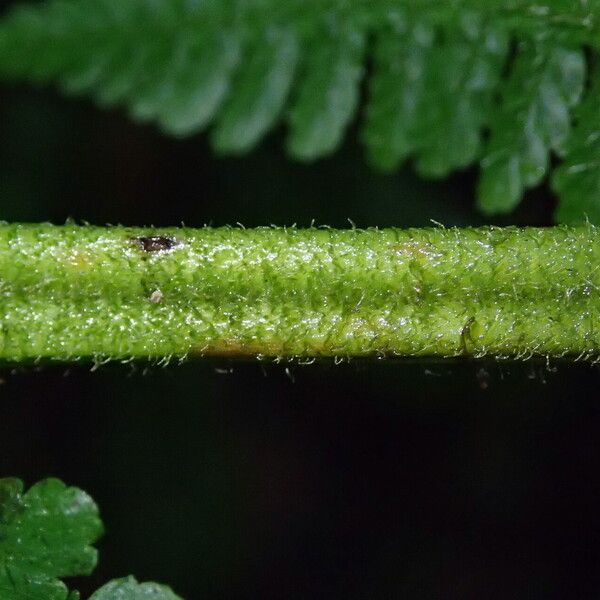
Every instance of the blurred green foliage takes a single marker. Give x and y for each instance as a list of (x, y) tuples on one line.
[(46, 534), (450, 84)]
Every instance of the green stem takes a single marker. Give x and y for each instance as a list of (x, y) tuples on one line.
[(82, 292)]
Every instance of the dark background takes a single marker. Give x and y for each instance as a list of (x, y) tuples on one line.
[(245, 480)]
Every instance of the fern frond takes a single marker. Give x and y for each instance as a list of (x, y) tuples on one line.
[(577, 180), (462, 74), (397, 86), (258, 97), (534, 117), (431, 97), (328, 93), (442, 76)]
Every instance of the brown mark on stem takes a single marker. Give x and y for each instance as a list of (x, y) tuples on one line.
[(235, 348), (155, 243), (411, 250)]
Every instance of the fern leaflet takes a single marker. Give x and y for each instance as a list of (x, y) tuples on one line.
[(328, 94), (534, 117), (577, 180), (261, 92), (46, 534)]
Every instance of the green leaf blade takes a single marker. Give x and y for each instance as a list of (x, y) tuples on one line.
[(328, 94), (577, 179), (200, 81), (15, 585), (396, 91), (462, 74), (129, 589), (534, 118), (438, 69), (259, 95), (45, 534)]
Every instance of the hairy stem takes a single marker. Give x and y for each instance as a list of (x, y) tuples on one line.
[(81, 292)]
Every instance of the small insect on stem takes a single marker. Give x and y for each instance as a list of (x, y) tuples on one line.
[(155, 243), (156, 297)]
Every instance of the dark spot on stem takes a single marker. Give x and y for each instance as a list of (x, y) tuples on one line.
[(155, 243), (465, 335)]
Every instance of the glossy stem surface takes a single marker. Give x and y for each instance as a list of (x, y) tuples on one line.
[(82, 292)]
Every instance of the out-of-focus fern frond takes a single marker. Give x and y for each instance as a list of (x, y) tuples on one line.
[(259, 95), (431, 93), (577, 179), (444, 86), (328, 91), (534, 117), (462, 74), (402, 52)]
